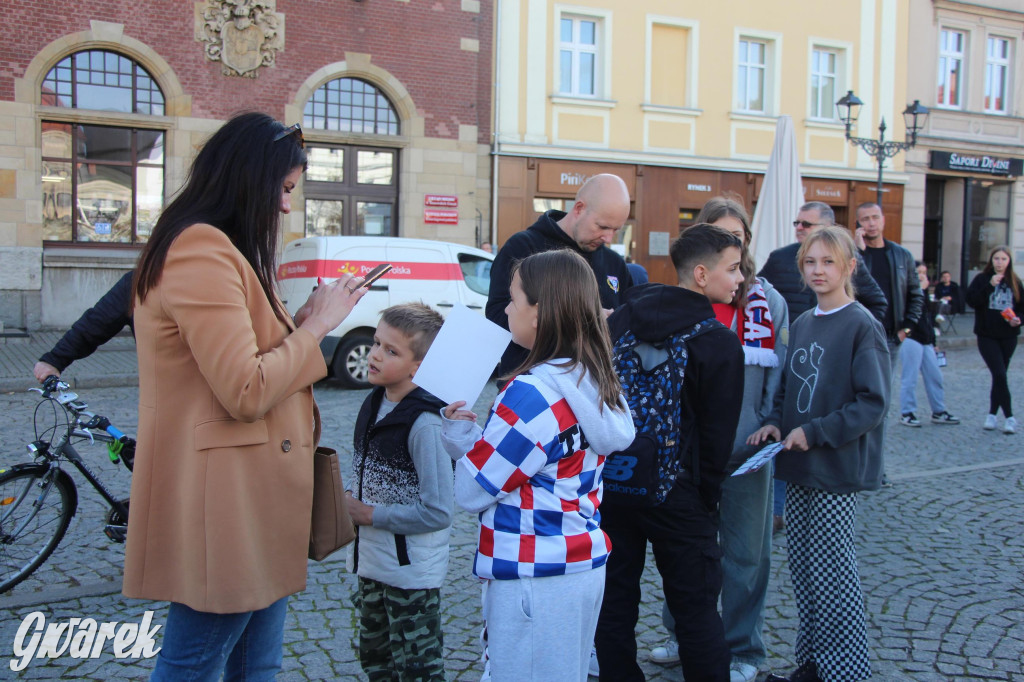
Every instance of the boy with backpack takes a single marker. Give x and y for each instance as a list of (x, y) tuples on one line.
[(682, 374)]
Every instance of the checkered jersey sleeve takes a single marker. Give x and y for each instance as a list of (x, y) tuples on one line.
[(508, 453)]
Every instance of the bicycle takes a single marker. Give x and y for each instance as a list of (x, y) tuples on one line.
[(38, 499)]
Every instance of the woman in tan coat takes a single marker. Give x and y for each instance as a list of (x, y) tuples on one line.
[(223, 482)]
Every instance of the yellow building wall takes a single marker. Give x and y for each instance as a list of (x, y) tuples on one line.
[(671, 79)]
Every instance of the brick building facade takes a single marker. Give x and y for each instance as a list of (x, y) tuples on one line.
[(104, 102)]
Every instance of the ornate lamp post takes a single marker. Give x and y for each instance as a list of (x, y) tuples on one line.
[(914, 117)]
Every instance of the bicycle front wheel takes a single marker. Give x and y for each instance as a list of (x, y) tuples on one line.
[(33, 519)]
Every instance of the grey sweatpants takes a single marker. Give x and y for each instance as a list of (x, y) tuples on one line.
[(535, 625)]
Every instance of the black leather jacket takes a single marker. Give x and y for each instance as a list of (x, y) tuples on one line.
[(782, 272), (906, 298)]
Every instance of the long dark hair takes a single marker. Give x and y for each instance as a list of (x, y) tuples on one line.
[(570, 321), (235, 185), (717, 208), (1008, 276)]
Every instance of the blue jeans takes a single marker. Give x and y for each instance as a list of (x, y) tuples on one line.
[(199, 646), (914, 357), (745, 534), (779, 504)]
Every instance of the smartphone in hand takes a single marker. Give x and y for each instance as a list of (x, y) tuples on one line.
[(376, 274)]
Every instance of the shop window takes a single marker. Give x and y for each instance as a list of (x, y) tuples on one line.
[(579, 56), (988, 225), (350, 189), (997, 75), (952, 45), (101, 183), (753, 75)]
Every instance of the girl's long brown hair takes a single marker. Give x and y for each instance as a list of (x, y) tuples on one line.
[(1008, 276), (570, 321), (720, 207)]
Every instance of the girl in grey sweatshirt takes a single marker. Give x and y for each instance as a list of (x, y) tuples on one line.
[(830, 407)]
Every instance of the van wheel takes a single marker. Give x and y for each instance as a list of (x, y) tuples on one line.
[(352, 361)]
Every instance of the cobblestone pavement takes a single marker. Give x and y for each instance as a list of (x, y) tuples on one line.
[(941, 558)]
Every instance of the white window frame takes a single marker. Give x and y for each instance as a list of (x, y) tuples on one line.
[(993, 63), (821, 110), (772, 60), (576, 49), (943, 80), (749, 69)]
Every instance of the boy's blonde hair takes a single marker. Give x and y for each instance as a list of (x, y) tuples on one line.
[(418, 322), (839, 243)]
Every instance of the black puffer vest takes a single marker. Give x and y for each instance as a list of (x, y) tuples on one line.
[(382, 447)]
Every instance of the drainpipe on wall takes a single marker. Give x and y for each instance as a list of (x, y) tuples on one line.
[(495, 147)]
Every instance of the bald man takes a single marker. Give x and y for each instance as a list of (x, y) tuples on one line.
[(598, 213)]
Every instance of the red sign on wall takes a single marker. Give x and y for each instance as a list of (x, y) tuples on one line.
[(439, 216), (441, 200)]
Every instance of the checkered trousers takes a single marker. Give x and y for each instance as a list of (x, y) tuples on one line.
[(533, 458), (826, 583)]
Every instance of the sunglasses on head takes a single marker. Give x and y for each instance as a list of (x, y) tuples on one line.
[(803, 223), (294, 129)]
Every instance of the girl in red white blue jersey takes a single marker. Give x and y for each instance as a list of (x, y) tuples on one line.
[(534, 474)]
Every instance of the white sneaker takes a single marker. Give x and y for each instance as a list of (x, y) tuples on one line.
[(742, 672), (1010, 425), (990, 422), (594, 670), (665, 655)]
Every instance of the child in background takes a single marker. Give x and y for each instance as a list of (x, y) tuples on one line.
[(534, 474), (831, 408), (997, 296), (917, 354), (402, 505)]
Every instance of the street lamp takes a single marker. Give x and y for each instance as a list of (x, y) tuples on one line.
[(914, 117)]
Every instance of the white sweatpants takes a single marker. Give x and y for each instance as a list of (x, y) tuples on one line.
[(536, 625)]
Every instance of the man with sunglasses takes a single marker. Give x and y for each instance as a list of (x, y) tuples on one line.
[(782, 272)]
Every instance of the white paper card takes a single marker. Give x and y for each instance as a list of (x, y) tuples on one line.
[(759, 459), (462, 357)]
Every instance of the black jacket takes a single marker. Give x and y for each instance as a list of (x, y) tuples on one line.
[(713, 383), (96, 326), (956, 297), (782, 272), (906, 298), (923, 330), (613, 278), (989, 321)]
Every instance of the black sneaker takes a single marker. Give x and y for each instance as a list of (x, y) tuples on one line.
[(944, 418), (910, 419)]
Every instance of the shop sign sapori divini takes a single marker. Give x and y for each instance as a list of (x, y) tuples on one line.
[(564, 178), (976, 163)]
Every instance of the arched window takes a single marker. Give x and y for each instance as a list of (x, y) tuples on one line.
[(350, 105), (101, 183), (351, 189)]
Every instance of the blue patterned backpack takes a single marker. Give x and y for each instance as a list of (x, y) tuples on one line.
[(652, 381)]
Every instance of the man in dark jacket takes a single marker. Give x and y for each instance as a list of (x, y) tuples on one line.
[(892, 266), (95, 327), (599, 212), (782, 272)]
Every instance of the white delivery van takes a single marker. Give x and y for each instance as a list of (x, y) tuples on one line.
[(439, 274)]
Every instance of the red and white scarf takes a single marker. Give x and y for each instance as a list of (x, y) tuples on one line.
[(755, 321)]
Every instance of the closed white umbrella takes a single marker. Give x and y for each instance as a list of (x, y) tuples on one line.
[(782, 194)]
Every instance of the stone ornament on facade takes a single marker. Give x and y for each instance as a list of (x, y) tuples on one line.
[(241, 34)]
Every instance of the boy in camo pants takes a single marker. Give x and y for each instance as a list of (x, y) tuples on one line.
[(402, 505)]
